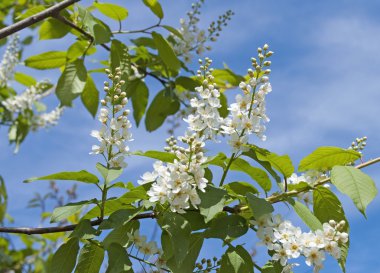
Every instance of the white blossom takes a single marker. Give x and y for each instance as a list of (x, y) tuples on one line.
[(10, 60), (289, 242), (115, 131)]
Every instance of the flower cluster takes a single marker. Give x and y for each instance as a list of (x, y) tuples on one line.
[(289, 242), (115, 130), (146, 248), (10, 60), (177, 183), (46, 120), (206, 120), (26, 100), (247, 114), (194, 38), (359, 144), (29, 101)]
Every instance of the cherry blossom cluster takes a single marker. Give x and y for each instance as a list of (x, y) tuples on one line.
[(177, 183), (115, 130), (248, 113), (148, 249), (10, 60), (289, 242), (205, 120), (46, 120), (27, 99), (194, 38)]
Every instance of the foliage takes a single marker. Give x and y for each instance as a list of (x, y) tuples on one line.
[(189, 193)]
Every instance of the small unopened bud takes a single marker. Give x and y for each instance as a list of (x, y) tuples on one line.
[(124, 101), (269, 53), (122, 82), (265, 47)]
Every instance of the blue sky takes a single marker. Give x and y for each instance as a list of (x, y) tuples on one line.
[(325, 79)]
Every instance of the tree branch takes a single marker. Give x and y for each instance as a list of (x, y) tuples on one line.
[(27, 22), (44, 230)]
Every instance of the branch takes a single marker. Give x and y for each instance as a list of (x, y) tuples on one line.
[(236, 209), (44, 230), (280, 197), (27, 22)]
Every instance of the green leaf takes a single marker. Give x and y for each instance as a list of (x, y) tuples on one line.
[(118, 260), (185, 83), (252, 153), (112, 11), (187, 266), (119, 58), (241, 165), (24, 79), (166, 53), (156, 114), (256, 174), (224, 76), (173, 31), (84, 230), (90, 96), (78, 49), (163, 156), (327, 207), (155, 7), (120, 234), (258, 206), (236, 260), (240, 189), (356, 184), (30, 12), (227, 227), (306, 215), (179, 230), (324, 158), (81, 176), (212, 202), (3, 199), (90, 259), (65, 258), (47, 60), (223, 111), (53, 29), (72, 82), (139, 96), (282, 163), (119, 217), (62, 213), (100, 31), (272, 267), (109, 174), (196, 220)]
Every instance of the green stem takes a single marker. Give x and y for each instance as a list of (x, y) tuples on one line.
[(144, 261), (232, 158)]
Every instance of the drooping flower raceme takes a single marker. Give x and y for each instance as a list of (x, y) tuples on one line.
[(289, 242), (115, 130), (205, 120), (177, 183), (192, 37), (248, 113), (10, 60), (27, 99), (29, 102)]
